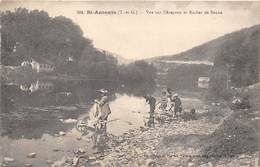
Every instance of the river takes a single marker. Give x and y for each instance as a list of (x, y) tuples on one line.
[(40, 117)]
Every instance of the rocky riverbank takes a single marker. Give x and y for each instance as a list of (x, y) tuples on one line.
[(185, 141)]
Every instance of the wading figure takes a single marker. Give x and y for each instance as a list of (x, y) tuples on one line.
[(100, 115), (152, 102), (102, 109), (99, 139)]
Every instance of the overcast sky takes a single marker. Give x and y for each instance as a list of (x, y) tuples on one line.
[(142, 35)]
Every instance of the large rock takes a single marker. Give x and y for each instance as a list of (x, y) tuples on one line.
[(31, 155), (8, 159), (62, 133), (190, 164), (70, 121), (92, 158), (49, 162)]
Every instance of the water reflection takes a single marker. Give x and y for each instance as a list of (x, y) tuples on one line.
[(29, 109), (35, 112), (30, 128), (37, 86), (100, 139), (138, 90)]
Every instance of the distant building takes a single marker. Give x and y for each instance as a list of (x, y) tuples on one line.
[(42, 66), (203, 82), (39, 66), (26, 64), (69, 59), (25, 87)]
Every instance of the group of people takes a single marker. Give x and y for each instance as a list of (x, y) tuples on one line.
[(169, 105)]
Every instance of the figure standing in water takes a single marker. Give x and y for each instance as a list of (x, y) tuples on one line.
[(102, 108), (101, 113), (152, 102)]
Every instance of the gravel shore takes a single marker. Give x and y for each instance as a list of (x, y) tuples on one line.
[(178, 142)]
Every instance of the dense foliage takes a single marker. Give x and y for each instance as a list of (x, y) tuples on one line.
[(237, 62), (235, 57), (139, 71), (185, 77), (239, 55), (33, 34)]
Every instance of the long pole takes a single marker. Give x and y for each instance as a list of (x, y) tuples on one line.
[(227, 77)]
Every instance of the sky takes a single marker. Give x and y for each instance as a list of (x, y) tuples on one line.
[(143, 35)]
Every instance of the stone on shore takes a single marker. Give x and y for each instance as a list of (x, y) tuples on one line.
[(62, 133), (150, 163), (49, 162), (28, 165), (31, 155), (70, 121), (8, 159)]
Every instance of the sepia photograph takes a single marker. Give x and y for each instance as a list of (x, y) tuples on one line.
[(89, 83)]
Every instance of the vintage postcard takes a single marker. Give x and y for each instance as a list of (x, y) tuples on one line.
[(129, 83)]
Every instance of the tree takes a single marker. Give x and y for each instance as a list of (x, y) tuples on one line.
[(36, 35), (239, 55)]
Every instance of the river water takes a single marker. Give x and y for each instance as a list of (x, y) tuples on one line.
[(41, 116), (35, 114)]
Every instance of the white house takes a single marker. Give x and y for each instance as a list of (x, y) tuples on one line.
[(38, 66), (25, 64), (69, 59), (203, 82)]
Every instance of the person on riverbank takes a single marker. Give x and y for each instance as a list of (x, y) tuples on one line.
[(169, 93), (177, 104), (170, 103), (102, 108), (152, 102), (163, 106), (169, 97), (163, 101)]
